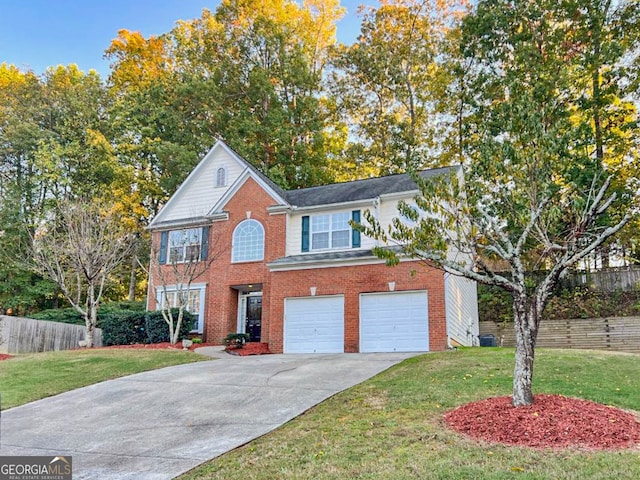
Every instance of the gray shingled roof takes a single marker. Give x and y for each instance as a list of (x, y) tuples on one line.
[(357, 189), (348, 191), (257, 171), (324, 256), (328, 257)]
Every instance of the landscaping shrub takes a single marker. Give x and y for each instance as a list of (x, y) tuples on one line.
[(494, 304), (236, 339), (61, 315), (71, 315), (157, 329), (124, 328), (125, 306)]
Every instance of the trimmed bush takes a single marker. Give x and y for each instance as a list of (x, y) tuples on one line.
[(61, 315), (495, 304), (157, 329), (124, 328), (71, 315)]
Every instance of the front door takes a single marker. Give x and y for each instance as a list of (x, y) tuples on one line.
[(253, 317)]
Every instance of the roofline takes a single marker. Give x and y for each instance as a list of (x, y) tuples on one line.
[(325, 263), (176, 194), (331, 262), (326, 206), (272, 186), (448, 167), (414, 191), (240, 181)]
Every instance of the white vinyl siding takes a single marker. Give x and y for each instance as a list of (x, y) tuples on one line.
[(388, 210), (294, 230), (394, 322), (202, 195), (314, 324), (461, 300)]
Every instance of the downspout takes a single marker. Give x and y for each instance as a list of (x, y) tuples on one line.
[(376, 213), (446, 308)]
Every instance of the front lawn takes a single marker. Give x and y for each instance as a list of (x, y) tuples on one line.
[(26, 378), (391, 426)]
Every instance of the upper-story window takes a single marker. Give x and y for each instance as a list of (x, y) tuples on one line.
[(186, 245), (248, 242), (330, 231), (221, 177)]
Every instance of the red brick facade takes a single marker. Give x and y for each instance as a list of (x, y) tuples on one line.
[(352, 281), (225, 280)]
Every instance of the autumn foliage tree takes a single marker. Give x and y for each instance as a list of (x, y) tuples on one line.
[(547, 158), (387, 86)]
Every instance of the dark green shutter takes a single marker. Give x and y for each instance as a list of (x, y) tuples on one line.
[(305, 233), (204, 244), (355, 234), (164, 240)]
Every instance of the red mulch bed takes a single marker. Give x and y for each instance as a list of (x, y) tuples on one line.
[(163, 345), (4, 356), (553, 421), (251, 348)]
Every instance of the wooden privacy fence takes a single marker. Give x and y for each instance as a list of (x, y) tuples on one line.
[(612, 333), (26, 335), (606, 280)]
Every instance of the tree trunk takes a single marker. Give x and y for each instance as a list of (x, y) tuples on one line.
[(526, 327), (89, 337), (91, 318), (132, 278), (176, 331)]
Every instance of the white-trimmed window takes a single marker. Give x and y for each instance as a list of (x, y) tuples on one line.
[(248, 242), (221, 177), (184, 245), (330, 231), (194, 298)]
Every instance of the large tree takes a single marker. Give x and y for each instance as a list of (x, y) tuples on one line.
[(547, 168), (52, 143), (78, 246), (248, 73), (388, 85)]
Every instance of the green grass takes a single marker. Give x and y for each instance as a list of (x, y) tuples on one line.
[(391, 426), (30, 377)]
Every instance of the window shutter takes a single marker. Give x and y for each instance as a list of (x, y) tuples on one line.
[(305, 233), (164, 240), (355, 234), (204, 244)]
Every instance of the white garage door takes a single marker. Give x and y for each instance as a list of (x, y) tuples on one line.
[(314, 324), (394, 322)]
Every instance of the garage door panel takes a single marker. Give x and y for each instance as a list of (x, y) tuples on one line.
[(394, 322), (314, 325)]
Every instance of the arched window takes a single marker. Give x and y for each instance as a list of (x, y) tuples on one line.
[(221, 177), (248, 242)]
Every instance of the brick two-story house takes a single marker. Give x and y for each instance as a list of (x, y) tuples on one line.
[(286, 266)]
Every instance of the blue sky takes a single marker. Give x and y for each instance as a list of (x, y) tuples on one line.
[(36, 34)]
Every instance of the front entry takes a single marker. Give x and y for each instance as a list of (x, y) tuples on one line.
[(250, 315)]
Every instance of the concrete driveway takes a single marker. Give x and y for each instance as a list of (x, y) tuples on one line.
[(159, 424)]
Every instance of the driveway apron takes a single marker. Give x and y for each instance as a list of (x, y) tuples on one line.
[(159, 424)]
